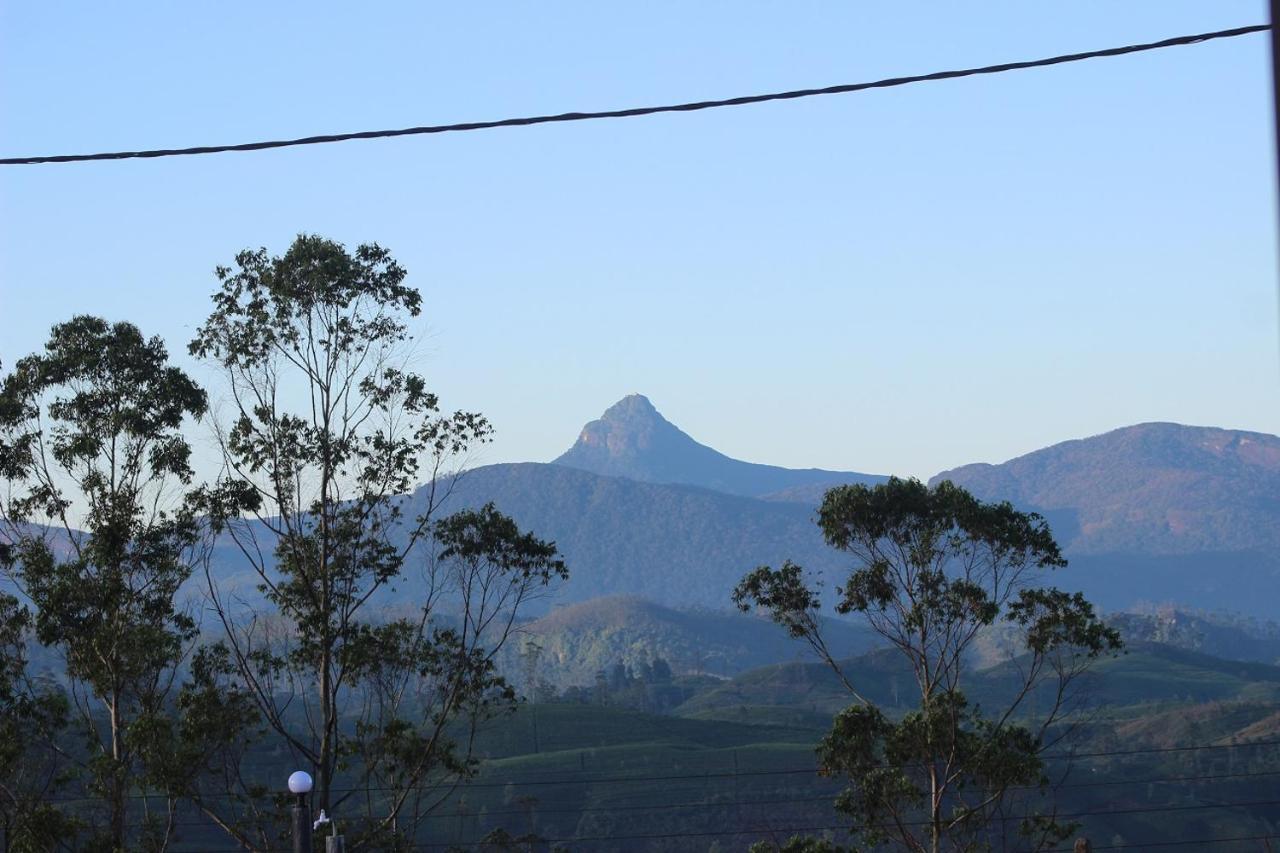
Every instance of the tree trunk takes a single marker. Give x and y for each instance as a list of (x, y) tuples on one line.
[(935, 812), (117, 778), (328, 724)]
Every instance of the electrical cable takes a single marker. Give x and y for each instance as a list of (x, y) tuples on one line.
[(632, 112), (609, 780), (706, 834)]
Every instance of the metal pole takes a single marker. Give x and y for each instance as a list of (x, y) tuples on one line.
[(1275, 93), (301, 826), (1275, 76)]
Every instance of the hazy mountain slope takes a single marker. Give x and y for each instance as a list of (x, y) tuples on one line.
[(1154, 513), (1218, 634), (1152, 489), (631, 439), (1148, 672), (580, 639), (676, 545)]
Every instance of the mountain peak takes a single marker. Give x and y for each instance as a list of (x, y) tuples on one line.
[(620, 439), (631, 404), (633, 440), (632, 412)]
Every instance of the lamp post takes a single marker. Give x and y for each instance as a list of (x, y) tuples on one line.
[(300, 784)]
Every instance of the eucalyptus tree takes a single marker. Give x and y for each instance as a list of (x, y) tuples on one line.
[(932, 570), (33, 765), (98, 535), (325, 434)]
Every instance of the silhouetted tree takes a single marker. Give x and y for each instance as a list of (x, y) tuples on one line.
[(327, 432), (33, 767), (100, 537), (930, 569)]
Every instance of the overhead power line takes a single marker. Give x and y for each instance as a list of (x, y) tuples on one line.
[(543, 809), (845, 827), (835, 828), (584, 779), (1195, 842), (632, 112)]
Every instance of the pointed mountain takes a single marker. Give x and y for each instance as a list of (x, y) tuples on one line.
[(1154, 488), (631, 439), (1152, 513)]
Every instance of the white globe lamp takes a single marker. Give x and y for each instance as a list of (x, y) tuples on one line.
[(300, 782), (300, 786)]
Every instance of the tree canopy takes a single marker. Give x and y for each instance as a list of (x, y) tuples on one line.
[(326, 432), (930, 569), (99, 536)]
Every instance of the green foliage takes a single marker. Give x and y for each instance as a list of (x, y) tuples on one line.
[(32, 770), (328, 431), (799, 844), (91, 428), (931, 569)]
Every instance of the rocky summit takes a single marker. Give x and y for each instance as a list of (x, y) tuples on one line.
[(633, 440)]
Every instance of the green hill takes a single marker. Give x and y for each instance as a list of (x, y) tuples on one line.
[(580, 639), (1147, 673)]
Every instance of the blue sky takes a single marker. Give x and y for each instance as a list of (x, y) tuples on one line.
[(896, 281)]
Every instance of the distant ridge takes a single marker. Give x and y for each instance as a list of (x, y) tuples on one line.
[(1153, 488), (674, 544), (1149, 513), (631, 439)]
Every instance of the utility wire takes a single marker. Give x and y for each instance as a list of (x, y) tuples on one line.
[(1197, 842), (827, 798), (758, 831), (727, 774), (692, 106), (541, 809)]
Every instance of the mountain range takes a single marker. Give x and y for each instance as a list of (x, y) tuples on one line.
[(1148, 513), (1155, 488)]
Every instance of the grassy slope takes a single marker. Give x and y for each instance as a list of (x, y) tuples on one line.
[(575, 784), (572, 787), (587, 772), (1147, 673)]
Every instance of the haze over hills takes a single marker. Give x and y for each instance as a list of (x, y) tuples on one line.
[(1147, 672), (677, 545), (1154, 489), (631, 439), (579, 639), (1154, 513)]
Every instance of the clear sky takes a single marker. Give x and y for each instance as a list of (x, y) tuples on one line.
[(897, 281)]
